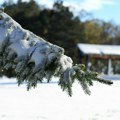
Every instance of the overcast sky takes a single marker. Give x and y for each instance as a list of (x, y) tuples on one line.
[(107, 10)]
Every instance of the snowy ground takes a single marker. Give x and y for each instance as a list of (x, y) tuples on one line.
[(48, 102)]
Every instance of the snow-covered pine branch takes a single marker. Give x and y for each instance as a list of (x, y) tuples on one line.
[(34, 58)]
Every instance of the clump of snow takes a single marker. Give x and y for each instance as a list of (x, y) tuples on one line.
[(66, 62)]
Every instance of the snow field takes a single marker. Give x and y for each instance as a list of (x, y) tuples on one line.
[(48, 102)]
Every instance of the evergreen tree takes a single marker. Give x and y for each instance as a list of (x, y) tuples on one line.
[(33, 59)]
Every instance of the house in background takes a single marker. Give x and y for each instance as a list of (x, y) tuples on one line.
[(104, 59)]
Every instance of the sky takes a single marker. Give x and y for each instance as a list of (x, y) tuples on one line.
[(107, 10)]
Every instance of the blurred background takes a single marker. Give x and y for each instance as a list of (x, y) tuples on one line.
[(69, 22)]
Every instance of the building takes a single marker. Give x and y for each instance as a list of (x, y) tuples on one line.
[(90, 54)]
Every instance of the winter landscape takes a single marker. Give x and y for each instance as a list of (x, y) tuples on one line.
[(32, 59), (48, 102)]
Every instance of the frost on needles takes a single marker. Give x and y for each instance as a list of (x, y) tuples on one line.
[(33, 59)]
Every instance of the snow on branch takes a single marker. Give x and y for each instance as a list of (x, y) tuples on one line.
[(34, 58)]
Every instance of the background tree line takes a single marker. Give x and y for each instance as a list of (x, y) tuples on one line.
[(59, 26)]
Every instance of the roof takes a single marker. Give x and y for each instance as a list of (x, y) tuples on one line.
[(99, 49)]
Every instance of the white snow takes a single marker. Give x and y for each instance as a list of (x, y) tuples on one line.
[(3, 35), (66, 62), (24, 47), (99, 49), (48, 102)]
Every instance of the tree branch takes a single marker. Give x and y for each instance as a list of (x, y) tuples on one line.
[(34, 59)]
